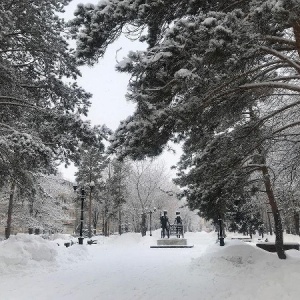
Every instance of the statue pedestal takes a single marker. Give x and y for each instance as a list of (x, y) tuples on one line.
[(172, 243)]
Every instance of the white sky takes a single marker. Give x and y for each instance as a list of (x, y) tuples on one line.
[(108, 87)]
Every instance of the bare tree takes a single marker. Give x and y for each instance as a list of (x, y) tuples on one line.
[(149, 187)]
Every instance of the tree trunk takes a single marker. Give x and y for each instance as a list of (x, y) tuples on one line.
[(95, 221), (90, 212), (296, 223), (10, 210), (143, 225), (276, 214), (106, 227), (270, 225), (296, 29), (104, 224), (120, 221)]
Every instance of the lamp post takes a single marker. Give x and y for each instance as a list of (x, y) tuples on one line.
[(221, 237), (82, 198), (150, 214)]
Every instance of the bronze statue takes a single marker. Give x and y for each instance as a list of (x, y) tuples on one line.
[(164, 220)]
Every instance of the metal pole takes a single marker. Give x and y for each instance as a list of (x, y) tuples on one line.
[(80, 239), (76, 215), (150, 222)]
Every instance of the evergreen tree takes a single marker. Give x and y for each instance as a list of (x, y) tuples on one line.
[(45, 205), (208, 65), (41, 104), (118, 187), (89, 176)]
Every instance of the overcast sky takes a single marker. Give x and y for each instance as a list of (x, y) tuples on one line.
[(108, 87)]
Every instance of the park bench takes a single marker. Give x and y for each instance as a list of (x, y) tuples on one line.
[(176, 229), (90, 242), (270, 246), (244, 239), (68, 244)]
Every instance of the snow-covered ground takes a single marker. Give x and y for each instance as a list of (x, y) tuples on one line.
[(126, 268)]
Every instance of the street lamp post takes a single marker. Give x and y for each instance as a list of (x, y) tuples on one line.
[(150, 214), (82, 198)]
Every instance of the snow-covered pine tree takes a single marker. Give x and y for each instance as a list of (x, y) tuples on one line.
[(89, 176), (207, 65), (41, 104), (118, 187)]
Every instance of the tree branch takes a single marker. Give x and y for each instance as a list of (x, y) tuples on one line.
[(287, 126), (275, 85), (280, 40), (19, 104), (281, 56), (261, 121)]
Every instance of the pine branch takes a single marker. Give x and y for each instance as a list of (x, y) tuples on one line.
[(12, 98), (233, 5), (161, 88), (280, 40), (36, 86), (287, 126), (261, 121), (270, 69), (281, 56), (276, 85), (286, 78), (8, 127), (22, 103), (19, 104), (214, 92)]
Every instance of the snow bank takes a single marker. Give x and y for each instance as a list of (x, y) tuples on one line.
[(234, 255), (22, 251), (126, 268), (243, 270)]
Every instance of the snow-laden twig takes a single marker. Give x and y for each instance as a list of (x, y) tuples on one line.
[(281, 56), (268, 84)]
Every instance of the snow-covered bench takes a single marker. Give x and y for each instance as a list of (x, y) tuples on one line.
[(244, 239), (270, 246), (90, 242)]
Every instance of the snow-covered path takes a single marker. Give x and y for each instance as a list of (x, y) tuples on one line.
[(126, 268), (117, 268)]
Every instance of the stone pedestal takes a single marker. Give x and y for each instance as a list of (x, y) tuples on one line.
[(172, 243)]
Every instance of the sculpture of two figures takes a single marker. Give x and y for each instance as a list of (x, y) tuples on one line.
[(165, 224)]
